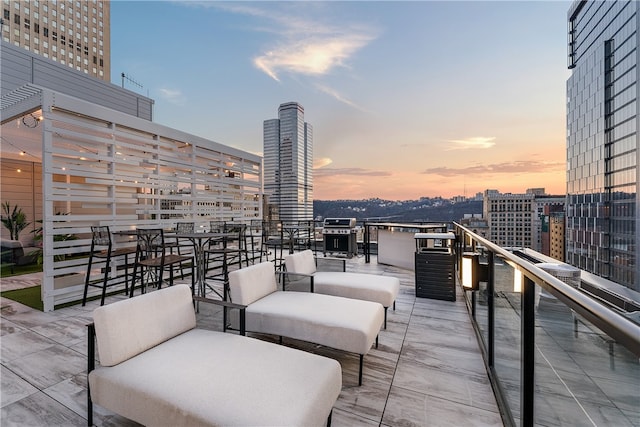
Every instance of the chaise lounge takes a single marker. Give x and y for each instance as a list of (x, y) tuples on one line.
[(158, 369), (341, 323), (368, 287)]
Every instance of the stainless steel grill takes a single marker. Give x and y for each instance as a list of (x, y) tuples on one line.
[(339, 236)]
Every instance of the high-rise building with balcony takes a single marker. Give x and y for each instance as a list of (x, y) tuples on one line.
[(74, 33), (288, 161), (602, 140)]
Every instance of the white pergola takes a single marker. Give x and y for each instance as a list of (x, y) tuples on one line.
[(104, 167)]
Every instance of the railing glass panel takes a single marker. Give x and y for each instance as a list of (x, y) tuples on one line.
[(582, 376), (553, 360)]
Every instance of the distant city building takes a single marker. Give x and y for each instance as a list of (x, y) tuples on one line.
[(546, 207), (73, 33), (509, 218), (602, 140), (552, 229), (288, 165), (476, 223), (518, 220)]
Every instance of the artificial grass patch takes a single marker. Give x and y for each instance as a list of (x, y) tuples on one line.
[(27, 296), (31, 297)]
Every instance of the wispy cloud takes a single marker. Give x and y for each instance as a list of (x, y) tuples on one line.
[(477, 142), (516, 167), (326, 172), (337, 95), (321, 162), (309, 47), (316, 55), (174, 96)]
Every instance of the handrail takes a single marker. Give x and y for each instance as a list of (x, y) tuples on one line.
[(618, 327)]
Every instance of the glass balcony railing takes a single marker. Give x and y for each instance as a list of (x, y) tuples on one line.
[(554, 354)]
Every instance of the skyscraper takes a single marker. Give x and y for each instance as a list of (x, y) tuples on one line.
[(73, 33), (288, 161), (602, 140)]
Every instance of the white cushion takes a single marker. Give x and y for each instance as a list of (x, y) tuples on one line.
[(249, 284), (209, 378), (368, 287), (301, 262), (127, 328), (341, 323)]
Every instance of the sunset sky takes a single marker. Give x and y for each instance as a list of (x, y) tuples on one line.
[(407, 99)]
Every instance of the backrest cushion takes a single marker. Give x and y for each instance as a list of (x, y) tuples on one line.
[(301, 262), (251, 283), (130, 327)]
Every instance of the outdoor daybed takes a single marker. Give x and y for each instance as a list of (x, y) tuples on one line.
[(341, 323), (368, 287), (159, 370)]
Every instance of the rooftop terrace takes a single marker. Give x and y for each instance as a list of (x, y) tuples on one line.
[(427, 370)]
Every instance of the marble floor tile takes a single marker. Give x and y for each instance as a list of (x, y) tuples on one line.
[(13, 388), (21, 344), (39, 409), (8, 327), (412, 408), (348, 419), (49, 366), (464, 388), (66, 331)]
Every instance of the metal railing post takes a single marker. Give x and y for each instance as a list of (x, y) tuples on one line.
[(490, 309), (528, 352)]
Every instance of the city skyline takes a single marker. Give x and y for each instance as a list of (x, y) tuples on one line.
[(408, 99)]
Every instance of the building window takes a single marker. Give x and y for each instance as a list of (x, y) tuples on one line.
[(36, 28), (16, 19), (101, 63), (46, 32), (95, 59), (7, 14), (27, 23)]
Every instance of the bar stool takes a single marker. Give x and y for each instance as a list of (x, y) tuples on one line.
[(177, 243), (230, 253), (273, 238), (101, 237), (153, 255), (254, 234)]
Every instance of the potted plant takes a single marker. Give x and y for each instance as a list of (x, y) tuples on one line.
[(15, 220)]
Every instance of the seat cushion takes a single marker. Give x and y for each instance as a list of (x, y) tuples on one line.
[(368, 287), (127, 328), (206, 378), (341, 323), (301, 262), (249, 284)]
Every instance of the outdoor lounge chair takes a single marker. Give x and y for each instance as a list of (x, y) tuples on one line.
[(345, 324), (368, 287), (158, 369)]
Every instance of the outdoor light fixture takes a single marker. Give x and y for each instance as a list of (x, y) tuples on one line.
[(31, 121), (517, 280), (470, 273)]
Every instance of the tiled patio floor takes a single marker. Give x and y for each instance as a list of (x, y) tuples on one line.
[(427, 370)]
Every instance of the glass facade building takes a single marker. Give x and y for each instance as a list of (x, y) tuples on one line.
[(602, 139), (288, 164)]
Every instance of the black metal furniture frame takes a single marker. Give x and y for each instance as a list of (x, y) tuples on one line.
[(101, 237)]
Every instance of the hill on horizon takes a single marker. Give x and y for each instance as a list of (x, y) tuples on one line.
[(423, 210)]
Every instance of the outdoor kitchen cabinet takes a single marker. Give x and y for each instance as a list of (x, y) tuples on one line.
[(435, 266)]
